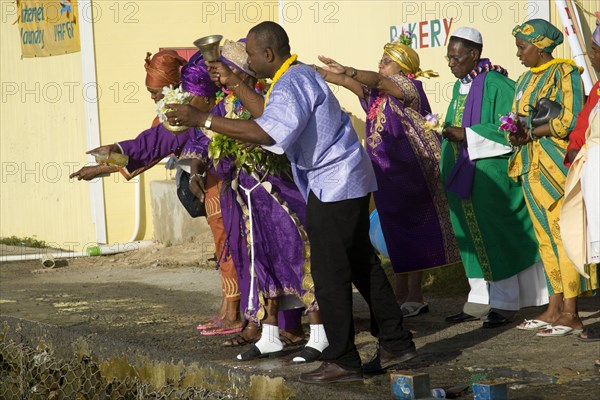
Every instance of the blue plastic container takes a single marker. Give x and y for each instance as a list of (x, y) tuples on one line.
[(376, 234)]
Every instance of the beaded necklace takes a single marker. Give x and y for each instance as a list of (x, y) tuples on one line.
[(483, 68)]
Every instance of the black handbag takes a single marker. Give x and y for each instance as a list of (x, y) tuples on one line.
[(190, 202), (544, 111)]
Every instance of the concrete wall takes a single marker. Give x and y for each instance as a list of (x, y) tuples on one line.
[(172, 223)]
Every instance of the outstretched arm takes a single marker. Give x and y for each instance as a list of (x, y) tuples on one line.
[(334, 73), (368, 78), (245, 131), (92, 171)]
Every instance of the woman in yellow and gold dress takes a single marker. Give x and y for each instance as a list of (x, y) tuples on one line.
[(538, 164)]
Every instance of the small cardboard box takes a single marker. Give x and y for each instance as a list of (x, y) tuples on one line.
[(408, 385), (490, 391)]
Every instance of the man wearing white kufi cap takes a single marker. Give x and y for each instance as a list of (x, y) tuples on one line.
[(493, 229)]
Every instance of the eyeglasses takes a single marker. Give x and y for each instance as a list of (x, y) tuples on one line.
[(458, 60), (385, 61)]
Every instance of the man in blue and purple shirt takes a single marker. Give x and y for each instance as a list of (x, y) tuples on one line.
[(303, 118)]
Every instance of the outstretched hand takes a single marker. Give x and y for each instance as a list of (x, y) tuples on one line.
[(93, 171), (106, 149), (332, 66)]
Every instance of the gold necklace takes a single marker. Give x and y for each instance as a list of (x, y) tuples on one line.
[(284, 67)]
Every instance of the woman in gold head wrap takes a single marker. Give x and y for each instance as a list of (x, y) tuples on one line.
[(411, 203)]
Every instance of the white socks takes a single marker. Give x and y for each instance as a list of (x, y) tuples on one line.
[(318, 340), (270, 343), (269, 340)]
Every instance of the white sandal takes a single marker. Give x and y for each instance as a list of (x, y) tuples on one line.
[(412, 309), (558, 330), (533, 325)]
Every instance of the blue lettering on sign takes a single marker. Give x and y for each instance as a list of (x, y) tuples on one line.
[(35, 37), (31, 14), (60, 30)]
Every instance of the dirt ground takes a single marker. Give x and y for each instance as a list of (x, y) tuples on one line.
[(149, 302)]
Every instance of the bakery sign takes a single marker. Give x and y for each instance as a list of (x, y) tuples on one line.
[(48, 27), (425, 34)]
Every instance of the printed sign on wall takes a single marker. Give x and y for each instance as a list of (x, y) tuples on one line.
[(425, 34), (48, 27)]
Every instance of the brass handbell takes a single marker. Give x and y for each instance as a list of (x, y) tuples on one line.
[(209, 47)]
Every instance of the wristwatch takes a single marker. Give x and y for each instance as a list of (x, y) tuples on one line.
[(208, 121)]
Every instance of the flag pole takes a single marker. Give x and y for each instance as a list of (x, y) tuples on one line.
[(572, 31)]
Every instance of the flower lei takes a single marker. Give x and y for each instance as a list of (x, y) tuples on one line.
[(374, 109), (238, 107), (256, 159), (284, 67), (481, 69), (554, 61)]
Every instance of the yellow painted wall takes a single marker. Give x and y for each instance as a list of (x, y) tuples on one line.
[(354, 33), (41, 132), (124, 31)]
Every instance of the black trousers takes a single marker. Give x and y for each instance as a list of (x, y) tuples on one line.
[(342, 255)]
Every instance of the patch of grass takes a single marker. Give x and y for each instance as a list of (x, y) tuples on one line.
[(25, 242), (169, 243)]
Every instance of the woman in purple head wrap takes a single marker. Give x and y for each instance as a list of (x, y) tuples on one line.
[(196, 80), (281, 279)]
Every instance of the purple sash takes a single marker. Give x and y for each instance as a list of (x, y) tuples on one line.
[(460, 181)]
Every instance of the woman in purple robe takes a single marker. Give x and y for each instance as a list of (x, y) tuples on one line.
[(154, 144), (411, 203), (264, 215)]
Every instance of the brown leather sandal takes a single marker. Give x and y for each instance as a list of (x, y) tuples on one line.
[(243, 338), (292, 338)]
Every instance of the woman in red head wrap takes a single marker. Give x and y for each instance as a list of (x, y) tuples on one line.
[(163, 69)]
